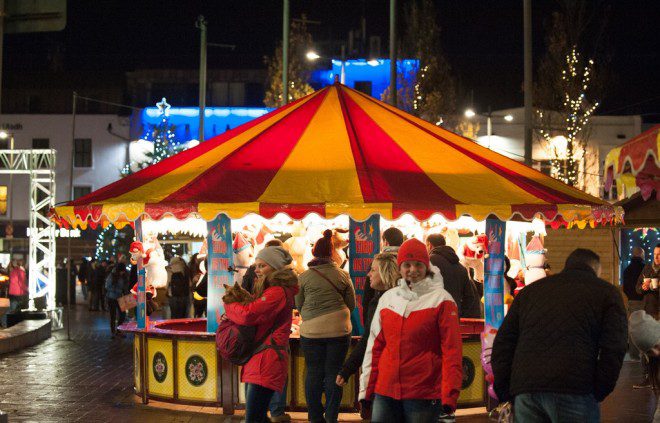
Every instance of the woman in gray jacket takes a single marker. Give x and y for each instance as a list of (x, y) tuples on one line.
[(325, 300)]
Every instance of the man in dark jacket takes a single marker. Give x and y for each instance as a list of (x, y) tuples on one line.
[(561, 346), (646, 286), (630, 277), (454, 276)]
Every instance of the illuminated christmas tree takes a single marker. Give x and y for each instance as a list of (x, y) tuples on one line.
[(112, 242)]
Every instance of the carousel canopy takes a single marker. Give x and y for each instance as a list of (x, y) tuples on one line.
[(336, 151), (635, 165)]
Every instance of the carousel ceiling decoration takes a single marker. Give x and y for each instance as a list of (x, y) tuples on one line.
[(337, 152)]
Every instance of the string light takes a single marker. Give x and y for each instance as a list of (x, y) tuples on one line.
[(564, 164)]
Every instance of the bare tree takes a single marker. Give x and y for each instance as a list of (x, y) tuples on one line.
[(300, 42), (430, 92)]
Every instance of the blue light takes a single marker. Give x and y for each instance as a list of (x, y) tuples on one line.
[(362, 70), (186, 120)]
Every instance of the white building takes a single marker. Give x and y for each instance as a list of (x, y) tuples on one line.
[(607, 132), (101, 148)]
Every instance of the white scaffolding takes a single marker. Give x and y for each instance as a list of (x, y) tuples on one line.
[(40, 166)]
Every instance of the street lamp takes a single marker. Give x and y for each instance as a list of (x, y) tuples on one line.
[(469, 113), (312, 55)]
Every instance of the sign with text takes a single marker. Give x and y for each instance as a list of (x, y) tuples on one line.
[(141, 309), (219, 260), (364, 244), (494, 273)]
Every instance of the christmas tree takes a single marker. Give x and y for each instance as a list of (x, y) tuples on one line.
[(112, 242)]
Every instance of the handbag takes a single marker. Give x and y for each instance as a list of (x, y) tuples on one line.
[(127, 302), (503, 413)]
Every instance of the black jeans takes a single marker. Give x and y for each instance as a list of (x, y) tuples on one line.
[(179, 307), (114, 312), (323, 359), (256, 403)]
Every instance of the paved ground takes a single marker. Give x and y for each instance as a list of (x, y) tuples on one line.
[(89, 379)]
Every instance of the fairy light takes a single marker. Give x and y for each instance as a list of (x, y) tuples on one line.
[(578, 110)]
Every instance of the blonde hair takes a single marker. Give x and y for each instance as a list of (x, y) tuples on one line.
[(387, 269)]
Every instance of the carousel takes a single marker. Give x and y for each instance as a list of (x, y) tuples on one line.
[(335, 159)]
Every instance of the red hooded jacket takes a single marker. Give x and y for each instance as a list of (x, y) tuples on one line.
[(414, 349), (269, 368)]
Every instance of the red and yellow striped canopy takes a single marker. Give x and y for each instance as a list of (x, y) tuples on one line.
[(336, 151)]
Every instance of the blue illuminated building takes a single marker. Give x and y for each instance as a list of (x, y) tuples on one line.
[(186, 121), (368, 76)]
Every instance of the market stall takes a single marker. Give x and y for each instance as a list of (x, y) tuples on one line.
[(635, 166), (335, 154)]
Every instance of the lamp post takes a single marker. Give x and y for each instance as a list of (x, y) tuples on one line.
[(469, 113), (312, 55)]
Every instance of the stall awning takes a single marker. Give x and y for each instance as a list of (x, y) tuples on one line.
[(337, 151), (634, 165)]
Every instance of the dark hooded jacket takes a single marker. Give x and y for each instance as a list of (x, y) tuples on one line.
[(630, 276), (566, 333), (272, 310), (456, 281), (354, 360)]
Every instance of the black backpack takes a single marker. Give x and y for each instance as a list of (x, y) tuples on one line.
[(179, 285)]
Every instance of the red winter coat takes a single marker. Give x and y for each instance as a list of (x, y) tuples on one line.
[(267, 368), (414, 349)]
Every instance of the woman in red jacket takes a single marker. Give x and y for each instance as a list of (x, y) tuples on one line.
[(274, 292), (412, 369)]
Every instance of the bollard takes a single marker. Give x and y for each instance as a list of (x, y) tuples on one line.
[(4, 417)]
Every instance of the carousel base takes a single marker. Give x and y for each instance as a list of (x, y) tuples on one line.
[(175, 361)]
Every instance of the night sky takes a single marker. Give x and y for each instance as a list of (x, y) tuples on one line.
[(482, 40)]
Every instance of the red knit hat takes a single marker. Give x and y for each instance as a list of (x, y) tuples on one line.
[(413, 250), (323, 247)]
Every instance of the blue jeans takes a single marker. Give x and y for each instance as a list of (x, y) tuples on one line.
[(323, 360), (389, 410), (256, 403), (277, 404), (556, 408)]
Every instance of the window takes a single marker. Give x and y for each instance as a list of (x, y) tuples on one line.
[(80, 191), (40, 143), (3, 200), (82, 155), (363, 87)]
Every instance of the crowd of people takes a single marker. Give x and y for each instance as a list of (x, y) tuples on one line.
[(104, 282), (556, 356), (410, 358)]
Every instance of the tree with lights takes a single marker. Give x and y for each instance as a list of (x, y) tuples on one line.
[(112, 242), (566, 91), (299, 69), (567, 141)]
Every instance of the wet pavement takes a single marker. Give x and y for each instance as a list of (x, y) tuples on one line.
[(90, 379)]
